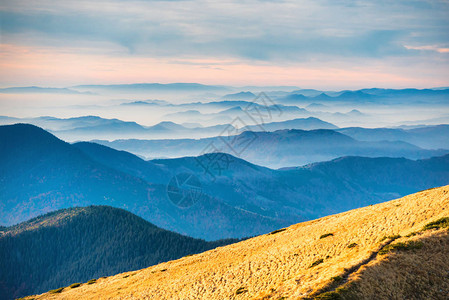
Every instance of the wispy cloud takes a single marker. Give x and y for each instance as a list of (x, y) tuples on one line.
[(276, 33), (429, 48)]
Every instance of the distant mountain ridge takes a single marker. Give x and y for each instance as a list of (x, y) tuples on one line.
[(429, 137), (377, 95), (40, 90), (310, 123), (155, 87), (181, 85), (94, 127), (290, 94), (239, 96), (278, 148)]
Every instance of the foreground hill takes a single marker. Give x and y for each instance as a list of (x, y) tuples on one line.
[(79, 244), (393, 250), (40, 173)]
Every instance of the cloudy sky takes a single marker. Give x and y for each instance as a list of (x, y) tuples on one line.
[(318, 44)]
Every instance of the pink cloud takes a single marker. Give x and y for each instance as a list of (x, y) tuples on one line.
[(21, 65)]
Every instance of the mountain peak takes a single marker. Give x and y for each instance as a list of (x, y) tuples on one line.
[(21, 134), (239, 96), (167, 125)]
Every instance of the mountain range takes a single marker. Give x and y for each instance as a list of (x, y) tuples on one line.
[(239, 96), (374, 95), (148, 87), (53, 174), (280, 148), (437, 95), (428, 137), (40, 173), (94, 127), (40, 90)]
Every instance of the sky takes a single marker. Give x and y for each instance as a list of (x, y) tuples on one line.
[(327, 44)]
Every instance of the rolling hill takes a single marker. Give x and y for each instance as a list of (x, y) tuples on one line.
[(78, 244), (393, 250)]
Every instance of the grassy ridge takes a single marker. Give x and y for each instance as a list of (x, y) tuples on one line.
[(299, 263)]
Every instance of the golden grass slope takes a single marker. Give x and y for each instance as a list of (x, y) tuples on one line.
[(304, 261)]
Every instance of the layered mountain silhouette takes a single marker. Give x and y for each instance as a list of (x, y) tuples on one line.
[(94, 127), (285, 95), (149, 87), (277, 149), (240, 96), (301, 123), (377, 95), (409, 92), (40, 90), (78, 244), (40, 173), (429, 137), (94, 123), (293, 99)]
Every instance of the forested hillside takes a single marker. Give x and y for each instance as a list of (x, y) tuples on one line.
[(78, 244)]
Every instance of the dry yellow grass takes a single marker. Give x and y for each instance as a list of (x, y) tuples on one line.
[(279, 265)]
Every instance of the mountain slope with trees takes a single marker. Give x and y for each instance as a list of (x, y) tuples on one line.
[(78, 244)]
